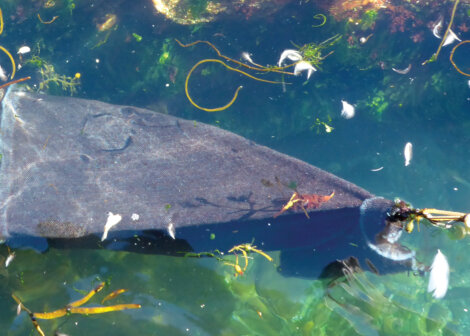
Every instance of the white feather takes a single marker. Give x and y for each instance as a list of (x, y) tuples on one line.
[(348, 110), (291, 54), (436, 29), (135, 217), (439, 276), (451, 37), (112, 220), (408, 153), (24, 50), (302, 66), (171, 230), (247, 57), (3, 76), (10, 258)]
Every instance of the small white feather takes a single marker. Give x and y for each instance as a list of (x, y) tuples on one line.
[(3, 76), (10, 258), (408, 153), (135, 217), (348, 110), (451, 37), (439, 276), (171, 230), (247, 57), (302, 66), (436, 29), (24, 50), (291, 54), (113, 219)]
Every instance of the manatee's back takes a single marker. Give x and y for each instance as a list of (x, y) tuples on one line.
[(68, 163)]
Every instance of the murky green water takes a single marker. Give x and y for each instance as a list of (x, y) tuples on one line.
[(137, 62)]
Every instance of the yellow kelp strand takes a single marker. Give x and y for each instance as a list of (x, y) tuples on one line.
[(31, 315), (452, 58), (13, 65), (51, 315), (18, 301), (73, 308), (14, 82), (1, 22), (47, 22), (101, 310), (36, 326), (84, 310), (87, 297), (236, 92), (113, 295), (257, 68), (250, 248)]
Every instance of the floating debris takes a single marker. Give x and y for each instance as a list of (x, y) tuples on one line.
[(171, 230), (112, 220), (108, 23), (304, 201), (247, 57), (3, 76), (47, 22), (377, 169), (363, 39), (9, 259), (113, 295), (236, 266), (290, 54), (135, 217), (439, 276), (404, 71), (348, 110), (247, 248), (302, 66), (408, 153), (436, 29), (451, 38), (74, 308), (24, 50)]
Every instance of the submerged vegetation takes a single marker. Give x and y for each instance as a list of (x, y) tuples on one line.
[(52, 82), (75, 307), (306, 58)]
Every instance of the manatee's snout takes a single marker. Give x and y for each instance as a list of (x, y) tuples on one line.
[(382, 232)]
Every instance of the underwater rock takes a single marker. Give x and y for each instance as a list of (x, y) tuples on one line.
[(187, 12), (75, 172)]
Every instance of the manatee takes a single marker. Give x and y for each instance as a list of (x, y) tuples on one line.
[(68, 164)]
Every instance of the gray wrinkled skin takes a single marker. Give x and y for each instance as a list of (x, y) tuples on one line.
[(67, 163)]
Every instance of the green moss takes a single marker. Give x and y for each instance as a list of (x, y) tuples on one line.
[(51, 82), (438, 82), (368, 19), (197, 7), (137, 37), (378, 104), (70, 5), (165, 56), (312, 52)]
